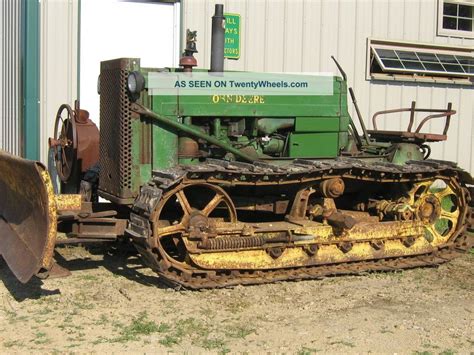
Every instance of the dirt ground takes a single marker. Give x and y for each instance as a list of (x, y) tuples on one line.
[(113, 303)]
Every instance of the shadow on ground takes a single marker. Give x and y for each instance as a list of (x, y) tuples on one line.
[(19, 291), (118, 258)]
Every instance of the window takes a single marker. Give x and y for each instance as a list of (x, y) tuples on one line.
[(456, 18), (405, 61)]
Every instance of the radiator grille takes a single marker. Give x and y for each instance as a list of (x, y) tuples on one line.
[(115, 129)]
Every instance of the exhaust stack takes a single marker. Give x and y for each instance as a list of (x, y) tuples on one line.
[(217, 39)]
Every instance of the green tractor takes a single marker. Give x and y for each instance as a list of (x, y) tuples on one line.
[(221, 190)]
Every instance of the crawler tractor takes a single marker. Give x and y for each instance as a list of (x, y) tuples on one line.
[(221, 191)]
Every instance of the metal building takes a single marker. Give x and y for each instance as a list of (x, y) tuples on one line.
[(38, 67), (59, 61), (275, 36), (301, 35), (13, 34), (50, 56)]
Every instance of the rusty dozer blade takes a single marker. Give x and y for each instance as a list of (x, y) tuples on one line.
[(27, 216)]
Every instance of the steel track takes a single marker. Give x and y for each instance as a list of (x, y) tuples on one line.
[(299, 172)]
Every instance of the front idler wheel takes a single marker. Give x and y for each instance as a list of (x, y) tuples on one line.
[(190, 211)]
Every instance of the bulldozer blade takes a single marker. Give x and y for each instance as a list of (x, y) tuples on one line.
[(27, 216)]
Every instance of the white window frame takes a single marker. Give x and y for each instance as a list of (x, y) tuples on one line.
[(422, 76), (453, 33)]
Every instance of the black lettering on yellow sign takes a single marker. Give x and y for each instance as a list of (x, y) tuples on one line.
[(238, 99)]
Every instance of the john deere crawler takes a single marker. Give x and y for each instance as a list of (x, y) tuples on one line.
[(217, 191)]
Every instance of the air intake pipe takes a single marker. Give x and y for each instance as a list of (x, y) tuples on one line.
[(217, 40)]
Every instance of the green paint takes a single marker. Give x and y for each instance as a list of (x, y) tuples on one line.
[(30, 69), (232, 36), (318, 124), (268, 126), (165, 137), (404, 152), (267, 105), (317, 127), (171, 123), (314, 145), (296, 113)]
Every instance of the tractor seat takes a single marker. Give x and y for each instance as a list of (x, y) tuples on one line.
[(403, 136)]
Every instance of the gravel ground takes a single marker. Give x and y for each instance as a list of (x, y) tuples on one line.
[(112, 303)]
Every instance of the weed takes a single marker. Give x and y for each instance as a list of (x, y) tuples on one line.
[(306, 351), (432, 346), (69, 324), (41, 338), (102, 320), (422, 353), (210, 344), (12, 343), (163, 328), (13, 317), (83, 304), (82, 301), (447, 352), (139, 326), (239, 331), (170, 340), (100, 340), (192, 329), (39, 320), (342, 342), (43, 311), (117, 324), (46, 300), (207, 312), (237, 305), (88, 277), (73, 345), (226, 351)]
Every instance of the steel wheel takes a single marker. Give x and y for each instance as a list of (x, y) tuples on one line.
[(64, 143), (189, 209), (437, 203)]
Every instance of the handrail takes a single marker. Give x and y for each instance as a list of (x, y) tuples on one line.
[(435, 113)]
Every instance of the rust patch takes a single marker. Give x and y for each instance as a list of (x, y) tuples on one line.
[(27, 216), (69, 202)]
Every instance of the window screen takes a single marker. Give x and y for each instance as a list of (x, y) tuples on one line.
[(415, 61)]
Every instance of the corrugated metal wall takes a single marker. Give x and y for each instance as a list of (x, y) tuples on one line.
[(10, 76), (301, 35), (59, 63)]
